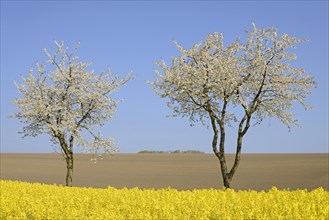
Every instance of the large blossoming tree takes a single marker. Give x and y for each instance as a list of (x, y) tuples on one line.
[(235, 85), (64, 99)]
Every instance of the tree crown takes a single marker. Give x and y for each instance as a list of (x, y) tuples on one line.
[(67, 100), (256, 75)]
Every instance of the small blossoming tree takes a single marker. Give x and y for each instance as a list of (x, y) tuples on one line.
[(215, 83), (65, 100)]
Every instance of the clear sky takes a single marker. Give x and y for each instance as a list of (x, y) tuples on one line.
[(129, 35)]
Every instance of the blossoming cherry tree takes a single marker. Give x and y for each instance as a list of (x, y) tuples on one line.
[(66, 101), (234, 85)]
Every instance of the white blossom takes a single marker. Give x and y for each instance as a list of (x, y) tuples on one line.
[(210, 73), (215, 83), (64, 98)]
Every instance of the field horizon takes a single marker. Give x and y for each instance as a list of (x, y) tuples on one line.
[(183, 171)]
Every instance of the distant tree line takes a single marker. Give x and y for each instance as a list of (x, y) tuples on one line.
[(170, 152)]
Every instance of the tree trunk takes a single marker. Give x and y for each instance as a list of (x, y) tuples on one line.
[(222, 160), (227, 182), (223, 166), (220, 154), (67, 152), (69, 171), (237, 157), (241, 132)]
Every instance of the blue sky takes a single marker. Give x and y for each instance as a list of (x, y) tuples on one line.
[(129, 35)]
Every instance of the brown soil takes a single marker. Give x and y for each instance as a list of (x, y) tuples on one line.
[(181, 171)]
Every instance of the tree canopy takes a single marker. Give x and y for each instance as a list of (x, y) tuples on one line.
[(67, 101), (236, 83)]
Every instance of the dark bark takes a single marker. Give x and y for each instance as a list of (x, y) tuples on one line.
[(69, 171), (243, 128), (221, 153), (67, 151), (222, 159), (69, 163), (237, 157)]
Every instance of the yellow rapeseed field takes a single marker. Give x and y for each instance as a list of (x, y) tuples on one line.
[(22, 200)]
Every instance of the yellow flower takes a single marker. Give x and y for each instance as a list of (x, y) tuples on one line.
[(21, 200)]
